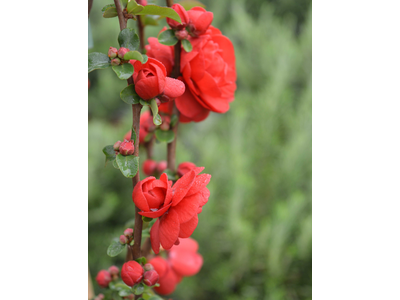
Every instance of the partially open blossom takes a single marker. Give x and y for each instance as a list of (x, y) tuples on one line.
[(131, 273), (185, 167), (200, 20), (103, 278), (122, 51), (184, 17), (127, 147), (149, 167), (150, 277), (112, 52), (162, 166), (176, 206), (151, 80)]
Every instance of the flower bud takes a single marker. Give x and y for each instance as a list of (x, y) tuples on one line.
[(128, 232), (161, 166), (149, 166), (122, 51), (131, 273), (99, 297), (103, 278), (158, 101), (148, 267), (185, 167), (142, 2), (165, 123), (112, 52), (184, 17), (150, 277), (123, 239), (127, 148), (115, 62), (181, 34), (116, 145), (113, 270)]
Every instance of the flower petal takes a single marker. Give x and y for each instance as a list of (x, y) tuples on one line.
[(186, 229), (155, 214), (181, 187), (155, 237), (168, 229), (186, 263), (200, 183), (187, 208), (137, 194), (173, 87)]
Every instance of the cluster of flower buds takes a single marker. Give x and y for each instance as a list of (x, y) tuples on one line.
[(127, 237), (104, 277), (127, 147), (151, 167), (117, 56), (194, 22), (133, 273)]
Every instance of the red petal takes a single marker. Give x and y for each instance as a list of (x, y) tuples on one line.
[(188, 245), (200, 183), (148, 88), (160, 265), (154, 237), (168, 194), (204, 21), (169, 229), (186, 229), (205, 195), (155, 214), (188, 105), (186, 263), (137, 194), (182, 186), (168, 282), (187, 208), (173, 87)]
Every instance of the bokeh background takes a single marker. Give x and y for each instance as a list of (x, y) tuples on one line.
[(255, 231)]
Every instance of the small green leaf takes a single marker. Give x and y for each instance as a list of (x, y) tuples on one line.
[(154, 108), (174, 119), (109, 152), (128, 165), (167, 37), (148, 20), (129, 95), (189, 4), (155, 297), (124, 71), (133, 7), (144, 102), (157, 119), (139, 289), (128, 38), (115, 248), (110, 12), (160, 11), (145, 58), (98, 61), (107, 6), (146, 219), (115, 165), (142, 260), (124, 293), (133, 55), (133, 135), (171, 175), (165, 136), (124, 2), (187, 45), (148, 137)]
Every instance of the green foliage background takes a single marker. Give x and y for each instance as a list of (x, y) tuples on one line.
[(255, 231)]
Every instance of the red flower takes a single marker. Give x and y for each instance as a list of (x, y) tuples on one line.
[(208, 71), (127, 147), (184, 17), (168, 279), (103, 278), (185, 167), (151, 80), (131, 273), (149, 167), (200, 20), (176, 206)]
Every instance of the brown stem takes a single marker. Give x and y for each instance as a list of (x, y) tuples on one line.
[(146, 248), (170, 3), (136, 108), (90, 7), (141, 32)]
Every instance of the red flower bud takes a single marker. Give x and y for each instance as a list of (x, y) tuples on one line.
[(150, 277), (99, 297), (122, 51), (103, 278), (127, 148), (161, 166), (115, 62), (148, 267), (149, 166), (123, 239), (112, 52), (181, 34), (116, 145), (200, 20), (128, 232), (142, 2), (184, 17), (131, 273), (113, 270), (185, 167)]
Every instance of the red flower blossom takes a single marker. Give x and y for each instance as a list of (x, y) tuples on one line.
[(131, 273), (127, 147), (200, 20), (168, 279), (176, 206), (184, 17), (149, 167), (185, 167), (151, 80), (103, 278), (208, 71)]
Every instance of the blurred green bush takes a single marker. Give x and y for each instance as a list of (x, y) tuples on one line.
[(255, 231)]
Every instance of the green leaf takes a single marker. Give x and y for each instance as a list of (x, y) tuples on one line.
[(110, 12), (133, 55), (98, 61), (174, 119), (124, 2), (109, 152), (128, 38), (124, 71), (129, 95), (115, 248), (167, 37), (128, 165), (107, 6), (189, 4), (187, 45), (155, 297), (139, 289), (146, 219), (157, 119), (124, 293), (171, 175), (142, 260), (115, 165), (144, 102), (160, 11), (133, 7), (133, 135), (148, 20), (145, 58), (154, 108), (165, 136)]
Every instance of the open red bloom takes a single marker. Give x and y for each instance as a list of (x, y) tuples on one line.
[(176, 206), (151, 80)]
